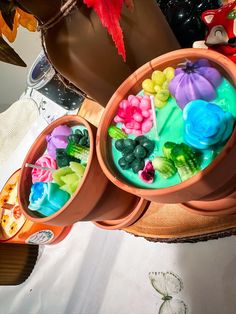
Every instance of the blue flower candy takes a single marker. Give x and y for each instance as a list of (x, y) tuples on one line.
[(47, 198), (206, 124)]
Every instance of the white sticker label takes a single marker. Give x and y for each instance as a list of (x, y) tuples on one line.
[(40, 237)]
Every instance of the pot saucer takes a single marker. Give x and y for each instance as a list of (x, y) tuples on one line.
[(223, 206), (172, 223), (126, 221)]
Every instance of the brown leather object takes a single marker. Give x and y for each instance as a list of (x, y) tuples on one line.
[(82, 51), (16, 262)]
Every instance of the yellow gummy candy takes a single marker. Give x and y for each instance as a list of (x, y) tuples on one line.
[(157, 88), (159, 103), (163, 95), (165, 85), (158, 78), (169, 73), (148, 86)]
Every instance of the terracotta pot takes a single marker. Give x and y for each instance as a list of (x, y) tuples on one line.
[(214, 182), (25, 230), (81, 50), (127, 220), (95, 199), (223, 206), (16, 262)]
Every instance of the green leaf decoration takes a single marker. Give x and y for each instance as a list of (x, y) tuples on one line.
[(8, 55), (8, 10)]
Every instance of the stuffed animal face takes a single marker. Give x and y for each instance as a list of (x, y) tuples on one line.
[(221, 25)]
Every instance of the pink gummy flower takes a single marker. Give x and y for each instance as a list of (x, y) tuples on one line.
[(148, 172), (41, 175), (135, 114)]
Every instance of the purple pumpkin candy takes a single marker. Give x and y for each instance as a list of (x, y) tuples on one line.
[(195, 80)]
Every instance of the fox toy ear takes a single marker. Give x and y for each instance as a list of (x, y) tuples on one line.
[(208, 16)]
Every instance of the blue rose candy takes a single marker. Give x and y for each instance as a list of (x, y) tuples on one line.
[(206, 124), (46, 198)]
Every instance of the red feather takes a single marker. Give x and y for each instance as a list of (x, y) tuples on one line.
[(109, 12)]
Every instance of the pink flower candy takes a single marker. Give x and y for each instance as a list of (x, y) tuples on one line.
[(148, 172), (146, 126), (40, 175), (138, 117), (135, 114)]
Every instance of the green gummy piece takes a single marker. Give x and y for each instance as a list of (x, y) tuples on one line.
[(116, 133)]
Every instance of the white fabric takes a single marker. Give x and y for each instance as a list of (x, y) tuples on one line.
[(94, 271), (29, 129), (14, 124)]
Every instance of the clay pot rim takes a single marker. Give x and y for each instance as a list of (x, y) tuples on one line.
[(191, 53), (209, 212), (126, 221), (225, 206), (62, 120)]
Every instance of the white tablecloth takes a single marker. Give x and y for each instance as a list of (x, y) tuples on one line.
[(94, 271)]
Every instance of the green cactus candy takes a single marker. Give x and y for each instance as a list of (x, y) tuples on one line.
[(167, 149), (186, 160), (77, 151)]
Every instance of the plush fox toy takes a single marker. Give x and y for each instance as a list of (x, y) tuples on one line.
[(221, 35)]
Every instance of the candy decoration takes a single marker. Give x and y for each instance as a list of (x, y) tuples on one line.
[(116, 133), (195, 80), (39, 174), (68, 178), (63, 159), (135, 114), (148, 172), (137, 165), (158, 86), (53, 187), (61, 172), (134, 152), (78, 151), (57, 139), (80, 137), (47, 198), (185, 159), (206, 124), (164, 166), (167, 149)]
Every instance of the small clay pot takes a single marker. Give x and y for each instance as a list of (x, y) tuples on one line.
[(28, 232), (95, 199), (126, 221), (223, 206), (214, 182)]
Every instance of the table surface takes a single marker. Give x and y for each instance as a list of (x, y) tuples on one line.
[(94, 271)]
